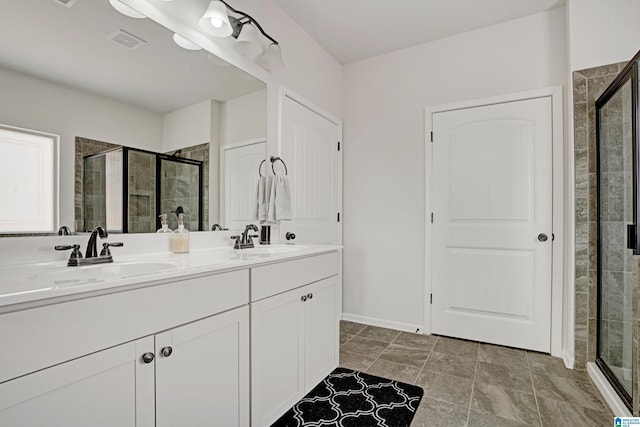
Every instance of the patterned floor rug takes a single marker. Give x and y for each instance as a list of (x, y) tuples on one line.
[(347, 398)]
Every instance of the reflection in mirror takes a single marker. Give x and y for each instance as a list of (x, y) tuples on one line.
[(84, 84)]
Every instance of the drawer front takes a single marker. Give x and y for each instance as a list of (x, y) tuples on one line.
[(273, 279), (44, 336)]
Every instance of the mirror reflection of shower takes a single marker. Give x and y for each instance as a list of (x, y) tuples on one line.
[(127, 188)]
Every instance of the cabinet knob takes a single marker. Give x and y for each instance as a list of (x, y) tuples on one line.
[(309, 296), (303, 298), (147, 357), (166, 351)]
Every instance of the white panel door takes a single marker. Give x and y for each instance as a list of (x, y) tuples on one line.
[(204, 379), (309, 147), (240, 178), (110, 388), (492, 198)]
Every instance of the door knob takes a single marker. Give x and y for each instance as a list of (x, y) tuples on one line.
[(543, 237), (147, 357)]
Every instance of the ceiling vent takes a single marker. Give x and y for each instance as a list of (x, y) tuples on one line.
[(126, 39), (66, 3)]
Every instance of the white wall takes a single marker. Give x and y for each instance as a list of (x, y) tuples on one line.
[(384, 101), (244, 118), (189, 126), (36, 104), (602, 32)]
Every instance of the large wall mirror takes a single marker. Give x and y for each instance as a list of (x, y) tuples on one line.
[(103, 81)]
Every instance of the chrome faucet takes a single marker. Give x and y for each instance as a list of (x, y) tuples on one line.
[(215, 227), (64, 231), (92, 250), (245, 240)]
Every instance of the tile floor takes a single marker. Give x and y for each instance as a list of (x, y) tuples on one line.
[(473, 384)]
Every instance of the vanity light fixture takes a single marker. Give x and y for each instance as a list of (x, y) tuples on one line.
[(126, 10), (217, 21)]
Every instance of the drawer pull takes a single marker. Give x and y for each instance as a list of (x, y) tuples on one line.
[(303, 298), (148, 358), (166, 351)]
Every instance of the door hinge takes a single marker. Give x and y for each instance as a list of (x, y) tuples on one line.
[(338, 216), (431, 136), (431, 217), (338, 145), (430, 298)]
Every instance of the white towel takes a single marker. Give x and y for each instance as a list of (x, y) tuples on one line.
[(263, 192), (280, 200)]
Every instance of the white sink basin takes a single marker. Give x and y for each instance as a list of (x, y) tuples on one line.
[(69, 276), (268, 250)]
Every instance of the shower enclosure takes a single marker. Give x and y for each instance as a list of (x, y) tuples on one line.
[(617, 219), (127, 188)]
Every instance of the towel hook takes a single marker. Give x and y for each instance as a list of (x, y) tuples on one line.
[(275, 159)]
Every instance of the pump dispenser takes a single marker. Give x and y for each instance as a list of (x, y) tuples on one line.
[(180, 239), (165, 224)]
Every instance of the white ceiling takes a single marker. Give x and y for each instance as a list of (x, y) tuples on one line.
[(70, 46), (351, 30)]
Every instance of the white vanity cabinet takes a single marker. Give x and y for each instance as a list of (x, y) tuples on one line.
[(295, 312), (113, 387), (202, 372), (190, 368)]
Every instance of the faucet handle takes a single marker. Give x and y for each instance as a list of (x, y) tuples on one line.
[(105, 248), (75, 254)]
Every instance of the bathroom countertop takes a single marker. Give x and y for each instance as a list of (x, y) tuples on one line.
[(30, 285)]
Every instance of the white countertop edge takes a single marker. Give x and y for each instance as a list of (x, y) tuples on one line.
[(46, 294)]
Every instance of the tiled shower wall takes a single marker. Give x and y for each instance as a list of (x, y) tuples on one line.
[(588, 85)]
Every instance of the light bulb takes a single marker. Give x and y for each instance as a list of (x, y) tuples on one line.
[(216, 23)]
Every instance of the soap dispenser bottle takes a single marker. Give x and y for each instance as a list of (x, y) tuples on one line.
[(165, 224), (180, 239)]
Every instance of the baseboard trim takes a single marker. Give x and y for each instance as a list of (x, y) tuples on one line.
[(568, 359), (610, 396), (372, 321)]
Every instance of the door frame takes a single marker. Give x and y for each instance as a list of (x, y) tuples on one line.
[(557, 171)]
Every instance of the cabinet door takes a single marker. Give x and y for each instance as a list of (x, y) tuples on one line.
[(277, 359), (322, 316), (109, 388), (204, 380)]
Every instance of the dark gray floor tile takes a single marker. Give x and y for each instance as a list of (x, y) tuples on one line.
[(555, 413), (480, 419), (357, 362), (394, 371), (344, 337), (379, 334), (508, 404), (433, 413), (351, 328), (456, 347), (364, 346), (503, 356), (576, 393), (504, 377), (445, 387), (408, 339), (546, 364), (451, 365), (406, 355)]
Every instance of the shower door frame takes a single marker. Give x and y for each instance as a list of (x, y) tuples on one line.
[(629, 73)]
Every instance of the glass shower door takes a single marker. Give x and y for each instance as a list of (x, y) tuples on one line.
[(616, 233)]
